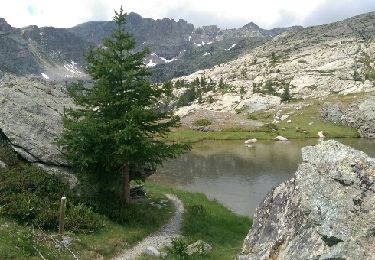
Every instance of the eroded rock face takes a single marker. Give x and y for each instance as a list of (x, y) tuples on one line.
[(326, 212), (360, 114), (30, 118)]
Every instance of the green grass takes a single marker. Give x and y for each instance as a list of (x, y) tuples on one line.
[(188, 135), (306, 123), (218, 226)]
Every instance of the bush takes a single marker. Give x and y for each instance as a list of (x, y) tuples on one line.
[(179, 248), (202, 122), (7, 155), (31, 196)]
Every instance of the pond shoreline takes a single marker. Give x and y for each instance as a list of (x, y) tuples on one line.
[(237, 176)]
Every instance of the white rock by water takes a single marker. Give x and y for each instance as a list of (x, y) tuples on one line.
[(251, 141), (281, 138)]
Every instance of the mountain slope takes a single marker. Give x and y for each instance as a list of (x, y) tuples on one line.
[(336, 58)]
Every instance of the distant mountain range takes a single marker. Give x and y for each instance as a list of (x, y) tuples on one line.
[(177, 47)]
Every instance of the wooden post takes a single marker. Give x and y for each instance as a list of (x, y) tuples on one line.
[(125, 185), (62, 215)]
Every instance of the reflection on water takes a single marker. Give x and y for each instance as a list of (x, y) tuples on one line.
[(237, 176)]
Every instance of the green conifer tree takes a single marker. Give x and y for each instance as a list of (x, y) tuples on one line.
[(116, 126)]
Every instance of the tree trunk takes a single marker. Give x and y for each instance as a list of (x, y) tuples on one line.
[(125, 185)]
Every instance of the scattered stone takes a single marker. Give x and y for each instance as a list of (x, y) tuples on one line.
[(321, 135), (152, 251), (283, 117), (249, 146), (325, 212), (200, 247), (280, 138), (137, 191), (251, 141), (289, 121), (311, 123), (66, 241), (2, 164)]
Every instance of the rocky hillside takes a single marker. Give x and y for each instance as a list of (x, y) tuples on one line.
[(325, 212), (47, 52), (314, 62)]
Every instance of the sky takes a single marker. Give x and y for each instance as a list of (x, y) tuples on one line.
[(226, 14)]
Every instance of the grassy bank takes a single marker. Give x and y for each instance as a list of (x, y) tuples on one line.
[(304, 123), (209, 221)]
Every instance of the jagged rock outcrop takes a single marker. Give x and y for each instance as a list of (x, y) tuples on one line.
[(331, 112), (360, 114), (325, 212), (30, 118)]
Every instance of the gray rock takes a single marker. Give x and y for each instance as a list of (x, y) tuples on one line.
[(152, 251), (331, 112), (325, 212), (361, 115), (2, 164), (281, 138), (30, 118), (200, 247)]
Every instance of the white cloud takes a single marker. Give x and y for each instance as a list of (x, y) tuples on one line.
[(234, 13)]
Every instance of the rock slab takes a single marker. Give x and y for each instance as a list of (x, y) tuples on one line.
[(31, 118), (326, 212)]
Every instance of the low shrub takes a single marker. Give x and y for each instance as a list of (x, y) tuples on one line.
[(179, 248), (7, 155), (32, 197), (202, 122)]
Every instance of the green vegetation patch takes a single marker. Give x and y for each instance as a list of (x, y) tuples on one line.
[(209, 221), (29, 202), (202, 122)]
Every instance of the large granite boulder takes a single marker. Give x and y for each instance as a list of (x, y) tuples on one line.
[(326, 212), (30, 118)]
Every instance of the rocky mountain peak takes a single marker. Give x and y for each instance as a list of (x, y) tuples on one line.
[(251, 26), (4, 26)]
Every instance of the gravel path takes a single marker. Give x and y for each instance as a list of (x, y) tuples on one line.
[(161, 238)]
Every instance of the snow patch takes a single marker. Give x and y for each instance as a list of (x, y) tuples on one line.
[(189, 38), (150, 64), (44, 75), (167, 61), (231, 47), (72, 67), (207, 53), (209, 43)]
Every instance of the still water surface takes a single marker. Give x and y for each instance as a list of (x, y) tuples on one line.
[(237, 176)]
